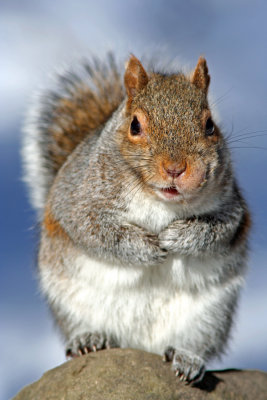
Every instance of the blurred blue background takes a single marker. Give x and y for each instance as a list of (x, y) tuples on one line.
[(36, 37)]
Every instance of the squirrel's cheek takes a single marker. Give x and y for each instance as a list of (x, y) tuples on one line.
[(193, 177)]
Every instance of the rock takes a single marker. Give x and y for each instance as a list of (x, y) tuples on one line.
[(123, 374)]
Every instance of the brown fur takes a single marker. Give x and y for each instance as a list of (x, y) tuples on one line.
[(135, 79), (82, 113), (200, 77), (165, 123), (52, 226)]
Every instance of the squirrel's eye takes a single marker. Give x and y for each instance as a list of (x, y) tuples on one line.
[(135, 126), (209, 127)]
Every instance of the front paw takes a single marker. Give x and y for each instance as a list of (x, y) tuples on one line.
[(154, 254), (147, 251), (169, 240), (87, 342), (188, 366)]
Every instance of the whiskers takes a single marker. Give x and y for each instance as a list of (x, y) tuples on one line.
[(132, 186), (220, 98), (240, 140)]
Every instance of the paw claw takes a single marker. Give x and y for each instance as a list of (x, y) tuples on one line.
[(188, 366), (83, 344)]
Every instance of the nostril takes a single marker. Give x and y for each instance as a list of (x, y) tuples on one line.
[(174, 172)]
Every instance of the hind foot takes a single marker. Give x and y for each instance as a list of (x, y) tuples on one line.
[(88, 342)]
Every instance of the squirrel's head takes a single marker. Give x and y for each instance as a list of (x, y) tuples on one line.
[(169, 136)]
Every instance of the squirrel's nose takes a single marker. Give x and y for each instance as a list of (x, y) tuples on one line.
[(174, 169)]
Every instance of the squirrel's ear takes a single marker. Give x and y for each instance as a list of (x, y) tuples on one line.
[(135, 78), (200, 76)]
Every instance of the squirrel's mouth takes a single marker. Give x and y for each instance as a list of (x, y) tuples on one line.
[(169, 192)]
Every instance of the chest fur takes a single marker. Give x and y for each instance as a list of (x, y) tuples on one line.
[(150, 213)]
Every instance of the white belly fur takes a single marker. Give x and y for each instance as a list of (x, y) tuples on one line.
[(148, 308)]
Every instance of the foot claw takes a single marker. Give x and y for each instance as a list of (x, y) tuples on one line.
[(188, 366), (83, 344)]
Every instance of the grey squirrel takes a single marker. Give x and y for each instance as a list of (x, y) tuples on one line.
[(143, 227)]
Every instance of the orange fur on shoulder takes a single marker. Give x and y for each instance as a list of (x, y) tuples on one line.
[(52, 226)]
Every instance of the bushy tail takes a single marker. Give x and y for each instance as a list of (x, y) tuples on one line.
[(61, 118)]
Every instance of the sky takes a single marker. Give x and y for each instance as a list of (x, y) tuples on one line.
[(38, 37)]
